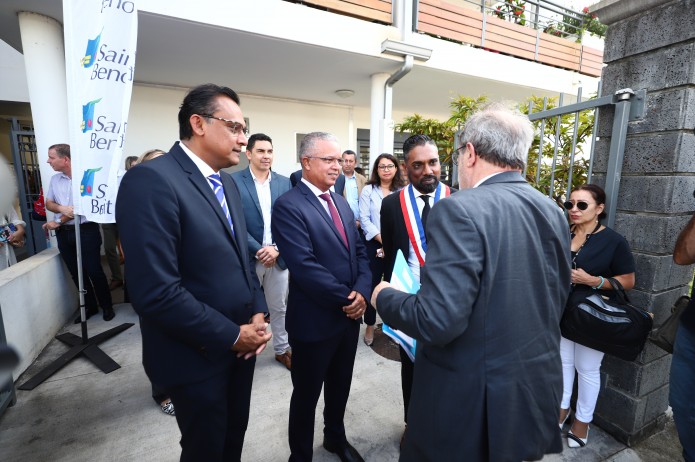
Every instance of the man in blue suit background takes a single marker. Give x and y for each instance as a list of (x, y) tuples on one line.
[(201, 308), (259, 188), (318, 238)]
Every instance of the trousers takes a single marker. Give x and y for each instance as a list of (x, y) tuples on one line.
[(275, 283), (94, 280), (587, 363), (681, 390)]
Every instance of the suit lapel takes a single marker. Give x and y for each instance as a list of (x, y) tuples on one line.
[(251, 187), (274, 188), (316, 203), (235, 211), (202, 184), (344, 213)]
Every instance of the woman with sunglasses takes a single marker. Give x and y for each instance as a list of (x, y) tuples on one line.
[(598, 252), (386, 178)]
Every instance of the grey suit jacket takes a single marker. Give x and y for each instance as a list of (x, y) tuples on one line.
[(488, 377), (252, 207)]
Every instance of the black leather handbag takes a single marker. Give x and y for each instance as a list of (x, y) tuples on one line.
[(613, 326)]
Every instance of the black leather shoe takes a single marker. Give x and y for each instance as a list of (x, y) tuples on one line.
[(345, 451), (109, 314), (88, 314)]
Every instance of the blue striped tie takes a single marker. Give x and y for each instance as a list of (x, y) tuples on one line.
[(216, 183)]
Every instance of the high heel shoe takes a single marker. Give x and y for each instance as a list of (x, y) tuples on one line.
[(369, 336), (573, 441), (562, 424)]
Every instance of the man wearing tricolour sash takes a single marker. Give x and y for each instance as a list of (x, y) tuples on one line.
[(403, 224)]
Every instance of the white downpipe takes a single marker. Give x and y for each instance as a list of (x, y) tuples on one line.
[(376, 116)]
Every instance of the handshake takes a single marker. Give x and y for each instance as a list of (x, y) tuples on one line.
[(253, 337)]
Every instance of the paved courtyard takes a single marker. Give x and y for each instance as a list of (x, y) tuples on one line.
[(81, 414)]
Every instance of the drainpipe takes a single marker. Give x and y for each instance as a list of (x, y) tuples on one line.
[(386, 131), (382, 124)]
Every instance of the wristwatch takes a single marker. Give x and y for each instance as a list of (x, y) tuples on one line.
[(275, 246)]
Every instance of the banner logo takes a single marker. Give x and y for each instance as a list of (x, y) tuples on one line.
[(91, 52), (87, 185), (88, 116)]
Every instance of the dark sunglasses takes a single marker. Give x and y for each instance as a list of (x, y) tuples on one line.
[(581, 205)]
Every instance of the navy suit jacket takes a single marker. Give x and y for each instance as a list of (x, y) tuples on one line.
[(252, 207), (339, 187), (188, 275), (323, 271)]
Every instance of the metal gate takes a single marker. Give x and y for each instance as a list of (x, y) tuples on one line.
[(26, 165), (553, 165)]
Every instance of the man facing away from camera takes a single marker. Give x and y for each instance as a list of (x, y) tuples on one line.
[(488, 377)]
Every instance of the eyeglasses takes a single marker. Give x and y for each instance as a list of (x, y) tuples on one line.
[(235, 127), (386, 167), (328, 160), (581, 205), (457, 153)]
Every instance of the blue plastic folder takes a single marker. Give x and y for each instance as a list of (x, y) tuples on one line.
[(402, 279)]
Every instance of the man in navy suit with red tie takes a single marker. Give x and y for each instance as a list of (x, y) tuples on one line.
[(316, 233), (188, 272)]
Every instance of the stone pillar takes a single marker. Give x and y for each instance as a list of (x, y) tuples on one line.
[(44, 60), (650, 45)]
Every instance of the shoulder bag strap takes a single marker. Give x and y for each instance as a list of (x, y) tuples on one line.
[(619, 290)]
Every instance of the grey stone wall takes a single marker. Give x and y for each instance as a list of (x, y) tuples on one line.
[(653, 49)]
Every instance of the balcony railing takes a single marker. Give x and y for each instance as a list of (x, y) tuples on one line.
[(371, 10), (536, 30), (516, 31)]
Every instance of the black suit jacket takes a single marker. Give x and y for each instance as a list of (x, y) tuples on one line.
[(188, 275), (394, 235), (323, 271), (339, 186)]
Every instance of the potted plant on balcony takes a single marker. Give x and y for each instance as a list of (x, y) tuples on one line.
[(584, 27), (511, 10)]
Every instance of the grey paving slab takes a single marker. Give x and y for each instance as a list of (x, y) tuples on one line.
[(81, 414)]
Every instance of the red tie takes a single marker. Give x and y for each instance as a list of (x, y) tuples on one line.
[(336, 218)]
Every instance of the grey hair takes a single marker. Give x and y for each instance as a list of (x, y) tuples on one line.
[(500, 135), (306, 147)]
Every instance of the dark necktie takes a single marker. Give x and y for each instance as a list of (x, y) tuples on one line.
[(216, 183), (425, 210), (335, 216)]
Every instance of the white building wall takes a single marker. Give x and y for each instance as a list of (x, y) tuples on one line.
[(153, 124), (13, 78), (32, 321)]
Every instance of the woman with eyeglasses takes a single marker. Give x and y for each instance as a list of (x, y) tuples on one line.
[(386, 178), (598, 252)]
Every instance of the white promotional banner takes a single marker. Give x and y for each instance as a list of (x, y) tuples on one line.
[(100, 43)]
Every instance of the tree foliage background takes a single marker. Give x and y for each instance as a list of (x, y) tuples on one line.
[(558, 160)]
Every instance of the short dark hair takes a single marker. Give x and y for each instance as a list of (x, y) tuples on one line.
[(350, 152), (414, 141), (62, 149), (597, 193), (398, 181), (257, 137), (201, 100)]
